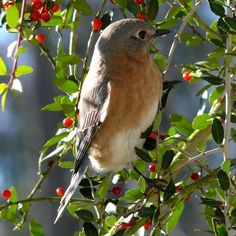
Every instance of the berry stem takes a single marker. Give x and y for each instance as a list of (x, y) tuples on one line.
[(19, 39), (48, 55)]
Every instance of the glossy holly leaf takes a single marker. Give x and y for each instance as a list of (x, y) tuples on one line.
[(143, 155), (35, 228), (86, 192), (152, 9), (3, 68), (85, 215), (217, 8), (169, 191), (174, 217), (161, 62), (12, 16), (83, 7), (23, 70), (167, 158), (201, 121), (217, 131), (222, 26), (223, 179), (90, 229)]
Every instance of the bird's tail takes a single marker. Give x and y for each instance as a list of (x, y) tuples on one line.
[(75, 180)]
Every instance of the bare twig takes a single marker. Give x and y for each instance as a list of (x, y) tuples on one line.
[(178, 34), (48, 55), (19, 38)]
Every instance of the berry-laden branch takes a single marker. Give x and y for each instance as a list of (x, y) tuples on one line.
[(227, 133), (19, 38)]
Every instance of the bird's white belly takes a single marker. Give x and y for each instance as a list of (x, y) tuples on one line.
[(122, 146)]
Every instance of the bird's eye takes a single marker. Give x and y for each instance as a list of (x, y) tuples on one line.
[(142, 34)]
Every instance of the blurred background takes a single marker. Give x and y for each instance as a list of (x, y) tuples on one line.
[(24, 128)]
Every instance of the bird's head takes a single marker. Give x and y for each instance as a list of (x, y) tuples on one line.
[(128, 37)]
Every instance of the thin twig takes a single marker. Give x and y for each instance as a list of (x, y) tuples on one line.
[(227, 133), (178, 34), (48, 55), (19, 38)]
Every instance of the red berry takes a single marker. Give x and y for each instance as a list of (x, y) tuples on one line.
[(147, 224), (140, 16), (40, 38), (45, 17), (37, 4), (68, 122), (195, 176), (153, 136), (187, 197), (55, 8), (96, 24), (34, 16), (178, 188), (7, 4), (162, 136), (187, 76), (139, 2), (60, 191), (116, 190), (6, 194), (152, 168)]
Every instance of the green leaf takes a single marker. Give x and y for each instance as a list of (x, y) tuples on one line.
[(90, 229), (4, 97), (217, 8), (172, 12), (13, 198), (225, 166), (8, 215), (122, 4), (21, 50), (67, 164), (52, 107), (83, 6), (142, 184), (217, 131), (107, 18), (152, 9), (223, 179), (3, 68), (143, 155), (103, 189), (167, 159), (231, 22), (147, 212), (22, 70), (213, 80), (85, 215), (12, 16), (169, 191), (2, 88), (132, 194), (194, 41), (233, 134), (66, 85), (210, 202), (35, 228), (174, 217), (110, 221), (201, 121), (161, 62), (69, 59), (216, 93)]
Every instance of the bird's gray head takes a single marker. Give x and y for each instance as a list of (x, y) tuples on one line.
[(129, 37)]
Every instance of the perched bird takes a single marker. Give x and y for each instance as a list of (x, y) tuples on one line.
[(119, 100)]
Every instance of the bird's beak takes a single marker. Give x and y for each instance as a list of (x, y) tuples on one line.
[(161, 32)]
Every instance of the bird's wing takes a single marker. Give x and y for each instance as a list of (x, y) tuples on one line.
[(92, 110)]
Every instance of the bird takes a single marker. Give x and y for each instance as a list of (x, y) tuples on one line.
[(119, 100)]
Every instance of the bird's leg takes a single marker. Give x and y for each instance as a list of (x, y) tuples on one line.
[(155, 183)]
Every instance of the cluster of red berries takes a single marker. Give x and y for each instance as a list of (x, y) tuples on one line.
[(41, 11)]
